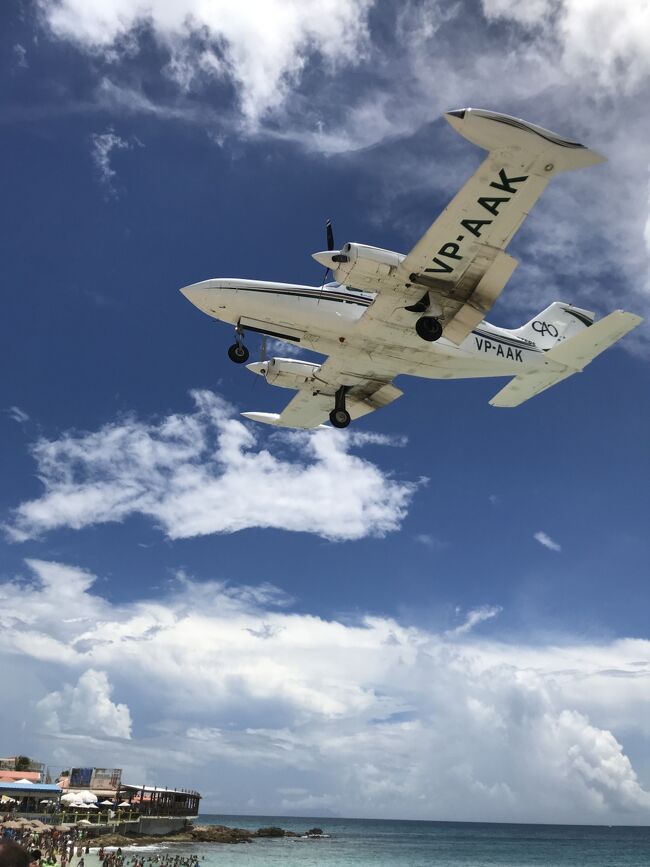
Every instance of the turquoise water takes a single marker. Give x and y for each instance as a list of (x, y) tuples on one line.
[(361, 842)]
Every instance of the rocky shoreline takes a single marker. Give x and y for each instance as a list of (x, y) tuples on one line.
[(198, 834)]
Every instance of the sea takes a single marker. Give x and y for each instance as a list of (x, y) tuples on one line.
[(388, 843)]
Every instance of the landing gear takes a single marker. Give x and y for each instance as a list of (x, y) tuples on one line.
[(429, 328), (238, 352), (339, 416)]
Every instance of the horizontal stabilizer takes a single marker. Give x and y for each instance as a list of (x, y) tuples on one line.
[(566, 358)]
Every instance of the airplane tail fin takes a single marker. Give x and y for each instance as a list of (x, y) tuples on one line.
[(557, 323), (567, 357)]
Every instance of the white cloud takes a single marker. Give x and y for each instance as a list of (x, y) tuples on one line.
[(200, 473), (261, 49), (545, 540), (85, 708), (214, 682), (474, 617), (17, 414), (102, 147)]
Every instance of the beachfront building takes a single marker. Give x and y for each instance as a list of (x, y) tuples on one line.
[(24, 796), (103, 783), (14, 768), (160, 801)]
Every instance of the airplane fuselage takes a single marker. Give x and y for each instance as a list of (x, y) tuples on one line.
[(322, 319)]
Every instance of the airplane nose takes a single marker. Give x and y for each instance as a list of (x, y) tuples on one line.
[(191, 293)]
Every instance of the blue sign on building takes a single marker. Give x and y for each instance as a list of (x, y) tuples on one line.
[(80, 777)]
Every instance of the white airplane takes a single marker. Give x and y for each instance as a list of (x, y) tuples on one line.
[(422, 313)]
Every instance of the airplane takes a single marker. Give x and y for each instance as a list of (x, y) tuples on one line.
[(423, 313)]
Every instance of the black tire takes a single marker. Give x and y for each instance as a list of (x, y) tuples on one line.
[(238, 353), (340, 418), (428, 328)]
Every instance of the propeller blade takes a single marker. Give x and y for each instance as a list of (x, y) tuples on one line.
[(330, 235)]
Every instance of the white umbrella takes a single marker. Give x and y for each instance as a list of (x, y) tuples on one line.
[(24, 783), (124, 804), (91, 807), (106, 803), (87, 797)]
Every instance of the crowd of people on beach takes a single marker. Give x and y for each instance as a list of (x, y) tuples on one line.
[(159, 860), (28, 846), (47, 847)]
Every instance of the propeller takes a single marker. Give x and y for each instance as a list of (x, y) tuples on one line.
[(263, 357), (329, 232)]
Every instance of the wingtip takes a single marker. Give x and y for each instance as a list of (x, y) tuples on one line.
[(263, 417)]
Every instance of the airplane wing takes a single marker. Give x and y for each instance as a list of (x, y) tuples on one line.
[(458, 268), (366, 390)]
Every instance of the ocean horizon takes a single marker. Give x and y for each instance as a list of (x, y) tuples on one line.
[(416, 843)]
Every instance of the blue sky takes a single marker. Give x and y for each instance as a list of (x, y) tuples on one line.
[(446, 603)]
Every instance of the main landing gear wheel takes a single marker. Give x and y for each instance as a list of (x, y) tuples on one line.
[(429, 328), (238, 353), (340, 418)]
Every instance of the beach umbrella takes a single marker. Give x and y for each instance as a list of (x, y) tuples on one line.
[(106, 803), (87, 797), (91, 806), (24, 783), (124, 804)]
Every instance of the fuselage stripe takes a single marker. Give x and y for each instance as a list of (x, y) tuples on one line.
[(315, 293)]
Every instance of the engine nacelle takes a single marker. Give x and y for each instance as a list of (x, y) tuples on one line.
[(285, 372), (360, 266)]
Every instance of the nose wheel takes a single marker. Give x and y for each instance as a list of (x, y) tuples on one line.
[(238, 352), (339, 416)]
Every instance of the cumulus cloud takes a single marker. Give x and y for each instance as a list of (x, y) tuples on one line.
[(374, 717), (261, 50), (545, 540), (85, 708), (204, 472)]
